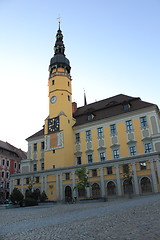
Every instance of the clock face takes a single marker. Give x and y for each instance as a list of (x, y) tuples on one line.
[(53, 125), (53, 99)]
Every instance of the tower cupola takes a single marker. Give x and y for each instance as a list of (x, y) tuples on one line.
[(59, 59)]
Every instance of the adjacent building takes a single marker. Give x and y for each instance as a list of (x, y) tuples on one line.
[(10, 163), (104, 136)]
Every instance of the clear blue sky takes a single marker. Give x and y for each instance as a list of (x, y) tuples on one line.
[(113, 47)]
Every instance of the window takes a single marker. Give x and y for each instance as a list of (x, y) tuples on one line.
[(35, 147), (53, 82), (68, 84), (109, 170), (113, 129), (37, 179), (148, 147), (15, 165), (100, 132), (143, 121), (129, 125), (125, 168), (34, 167), (3, 162), (42, 145), (42, 166), (90, 117), (88, 135), (77, 137), (78, 160), (7, 174), (18, 181), (2, 174), (94, 172), (132, 150), (67, 176), (27, 180), (143, 165), (102, 156), (19, 166), (115, 153), (2, 184), (69, 99), (54, 166), (126, 106), (7, 163), (7, 185), (90, 159)]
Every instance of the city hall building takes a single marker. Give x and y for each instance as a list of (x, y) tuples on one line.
[(103, 136)]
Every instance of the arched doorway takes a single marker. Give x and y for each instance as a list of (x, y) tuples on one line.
[(146, 186), (127, 187), (96, 190), (68, 194), (111, 188)]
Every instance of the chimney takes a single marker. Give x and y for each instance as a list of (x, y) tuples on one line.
[(74, 107)]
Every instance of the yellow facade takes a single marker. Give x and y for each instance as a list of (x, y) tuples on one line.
[(126, 136)]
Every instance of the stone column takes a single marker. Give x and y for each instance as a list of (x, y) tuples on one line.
[(57, 187), (73, 184), (22, 185), (61, 187), (42, 187), (119, 189), (155, 187), (135, 178), (11, 187), (88, 192), (158, 169), (45, 183), (102, 183)]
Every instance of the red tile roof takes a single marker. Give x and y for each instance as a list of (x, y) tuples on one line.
[(108, 108), (37, 134), (104, 109), (7, 146)]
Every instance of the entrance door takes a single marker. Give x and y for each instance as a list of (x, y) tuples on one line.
[(127, 187), (96, 191), (111, 188), (146, 185), (68, 194)]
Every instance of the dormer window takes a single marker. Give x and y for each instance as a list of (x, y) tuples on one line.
[(126, 106), (90, 117)]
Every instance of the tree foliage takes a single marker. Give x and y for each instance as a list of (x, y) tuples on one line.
[(83, 180), (16, 196), (128, 176), (127, 173)]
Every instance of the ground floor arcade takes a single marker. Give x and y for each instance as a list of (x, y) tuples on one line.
[(106, 179)]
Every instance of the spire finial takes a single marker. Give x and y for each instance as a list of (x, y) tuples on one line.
[(59, 21), (85, 99)]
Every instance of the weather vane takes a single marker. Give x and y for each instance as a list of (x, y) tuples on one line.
[(59, 20)]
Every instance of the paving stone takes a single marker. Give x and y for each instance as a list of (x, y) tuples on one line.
[(121, 219)]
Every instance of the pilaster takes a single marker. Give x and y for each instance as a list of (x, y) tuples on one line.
[(135, 178), (155, 187), (119, 189)]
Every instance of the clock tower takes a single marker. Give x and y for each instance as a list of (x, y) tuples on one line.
[(58, 130)]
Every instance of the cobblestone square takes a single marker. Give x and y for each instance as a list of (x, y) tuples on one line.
[(119, 219)]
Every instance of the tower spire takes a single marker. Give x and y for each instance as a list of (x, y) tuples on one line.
[(59, 59), (85, 99)]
